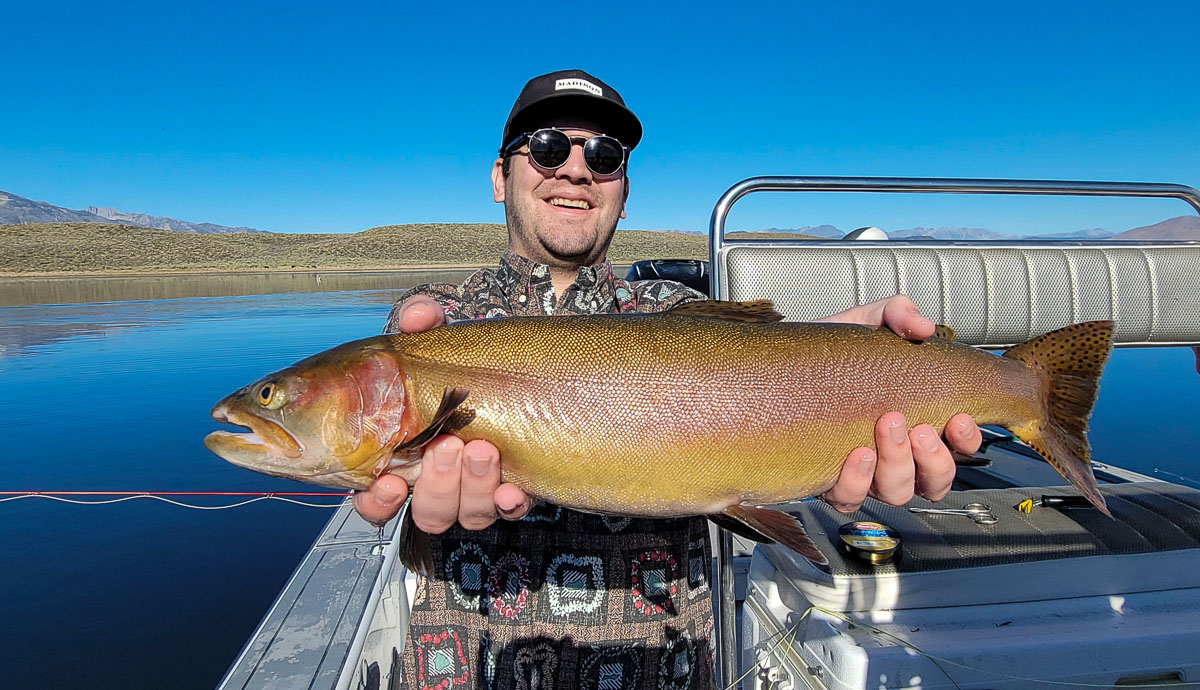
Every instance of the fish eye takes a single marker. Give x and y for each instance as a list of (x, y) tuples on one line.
[(270, 396)]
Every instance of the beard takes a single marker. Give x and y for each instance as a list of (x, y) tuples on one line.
[(559, 242)]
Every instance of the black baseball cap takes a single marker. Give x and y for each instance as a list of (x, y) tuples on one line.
[(571, 98)]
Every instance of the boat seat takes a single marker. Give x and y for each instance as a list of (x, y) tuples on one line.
[(1151, 543), (992, 294)]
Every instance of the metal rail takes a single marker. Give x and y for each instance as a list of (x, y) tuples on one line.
[(726, 607), (924, 185)]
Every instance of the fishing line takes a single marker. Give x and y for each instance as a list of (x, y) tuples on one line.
[(787, 635), (1178, 478), (122, 496)]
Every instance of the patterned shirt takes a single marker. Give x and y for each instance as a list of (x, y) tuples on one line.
[(562, 599)]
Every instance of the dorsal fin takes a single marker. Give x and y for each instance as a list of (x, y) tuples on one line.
[(944, 332), (451, 399), (756, 311)]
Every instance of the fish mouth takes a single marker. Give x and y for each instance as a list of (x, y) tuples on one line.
[(266, 442), (268, 448), (246, 450)]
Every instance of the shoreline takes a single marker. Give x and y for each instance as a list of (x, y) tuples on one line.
[(16, 276)]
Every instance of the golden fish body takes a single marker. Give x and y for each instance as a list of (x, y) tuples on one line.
[(678, 415), (709, 409)]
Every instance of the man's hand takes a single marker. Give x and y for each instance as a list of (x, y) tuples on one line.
[(904, 461), (458, 483)]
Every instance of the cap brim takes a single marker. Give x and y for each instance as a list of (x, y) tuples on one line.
[(582, 112)]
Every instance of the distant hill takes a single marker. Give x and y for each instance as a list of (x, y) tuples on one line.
[(826, 231), (17, 209), (1181, 228), (942, 233), (109, 248), (948, 233), (162, 222), (1091, 234)]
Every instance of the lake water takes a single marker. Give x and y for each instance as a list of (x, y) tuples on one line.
[(115, 396), (102, 394)]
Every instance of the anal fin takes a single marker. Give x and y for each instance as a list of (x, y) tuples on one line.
[(769, 527)]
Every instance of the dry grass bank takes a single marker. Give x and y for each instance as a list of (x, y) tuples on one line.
[(97, 248)]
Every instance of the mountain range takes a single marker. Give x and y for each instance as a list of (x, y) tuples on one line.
[(17, 210), (1180, 228)]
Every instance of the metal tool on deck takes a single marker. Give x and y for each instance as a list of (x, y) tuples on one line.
[(1029, 504), (980, 513)]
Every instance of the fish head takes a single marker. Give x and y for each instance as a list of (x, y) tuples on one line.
[(332, 419)]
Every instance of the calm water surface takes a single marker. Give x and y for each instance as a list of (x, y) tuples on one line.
[(114, 395)]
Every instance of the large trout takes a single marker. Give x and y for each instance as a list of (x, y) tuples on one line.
[(712, 408)]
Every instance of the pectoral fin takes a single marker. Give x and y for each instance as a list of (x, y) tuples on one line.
[(451, 399), (769, 527), (416, 552)]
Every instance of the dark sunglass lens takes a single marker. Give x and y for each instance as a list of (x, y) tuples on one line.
[(603, 155), (549, 148)]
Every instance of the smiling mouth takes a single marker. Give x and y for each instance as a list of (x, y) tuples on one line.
[(580, 204)]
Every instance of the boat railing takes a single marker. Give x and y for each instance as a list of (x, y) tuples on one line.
[(994, 293)]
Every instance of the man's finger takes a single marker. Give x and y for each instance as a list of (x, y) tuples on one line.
[(896, 473), (435, 494), (512, 502), (854, 482), (480, 477), (935, 466), (421, 313), (382, 501), (901, 315), (963, 434)]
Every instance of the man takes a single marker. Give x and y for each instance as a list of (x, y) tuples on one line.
[(556, 597)]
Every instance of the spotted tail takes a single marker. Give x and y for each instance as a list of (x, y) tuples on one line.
[(1068, 362)]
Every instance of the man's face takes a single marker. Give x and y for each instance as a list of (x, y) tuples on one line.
[(564, 217)]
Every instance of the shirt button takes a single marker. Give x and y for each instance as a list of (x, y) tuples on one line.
[(522, 299)]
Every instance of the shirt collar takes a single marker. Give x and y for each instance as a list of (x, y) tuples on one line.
[(518, 273)]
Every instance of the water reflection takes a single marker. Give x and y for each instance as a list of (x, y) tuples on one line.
[(52, 310), (28, 291), (17, 340)]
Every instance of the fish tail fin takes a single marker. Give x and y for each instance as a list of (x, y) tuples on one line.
[(1068, 362), (416, 551)]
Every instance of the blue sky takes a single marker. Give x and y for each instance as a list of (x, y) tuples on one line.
[(318, 117)]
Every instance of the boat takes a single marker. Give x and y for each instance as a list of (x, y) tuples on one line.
[(1007, 583)]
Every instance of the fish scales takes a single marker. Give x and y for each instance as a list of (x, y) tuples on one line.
[(691, 414)]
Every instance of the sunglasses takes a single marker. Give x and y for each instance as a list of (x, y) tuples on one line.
[(549, 149)]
